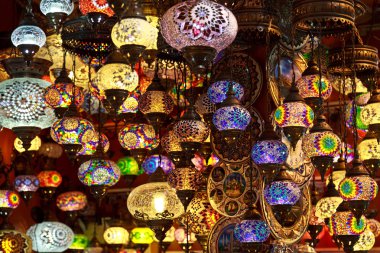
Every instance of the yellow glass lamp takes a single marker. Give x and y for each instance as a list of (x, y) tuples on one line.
[(35, 145), (116, 237)]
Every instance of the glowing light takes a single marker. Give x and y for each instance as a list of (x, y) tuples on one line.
[(35, 145)]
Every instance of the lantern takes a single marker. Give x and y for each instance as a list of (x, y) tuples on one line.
[(71, 201), (141, 235), (152, 162)]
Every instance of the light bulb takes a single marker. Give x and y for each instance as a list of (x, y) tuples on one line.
[(159, 202)]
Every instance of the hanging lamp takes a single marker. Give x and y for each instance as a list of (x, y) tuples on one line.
[(56, 11)]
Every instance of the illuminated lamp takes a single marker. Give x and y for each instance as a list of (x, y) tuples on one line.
[(369, 153), (199, 29), (134, 33), (374, 226), (95, 6), (345, 86), (50, 236), (56, 11), (316, 224), (116, 237), (294, 116), (150, 53), (71, 202), (90, 147), (338, 173), (130, 105), (205, 107), (361, 128), (366, 241), (185, 239), (9, 200), (171, 144), (80, 242), (35, 145), (26, 185), (49, 181), (358, 189), (141, 235), (329, 203), (152, 162), (321, 145), (217, 92), (231, 118), (14, 241), (370, 114)]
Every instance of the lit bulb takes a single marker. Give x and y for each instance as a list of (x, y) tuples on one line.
[(159, 202)]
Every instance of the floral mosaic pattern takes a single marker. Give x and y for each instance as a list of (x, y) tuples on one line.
[(358, 188), (231, 118), (156, 102), (309, 87), (9, 199), (26, 183), (344, 223), (86, 6), (252, 231), (99, 172), (282, 193), (191, 130), (321, 144), (269, 152), (14, 242), (49, 178), (135, 136), (152, 162), (71, 201), (217, 92), (188, 178), (72, 130), (61, 94), (294, 114)]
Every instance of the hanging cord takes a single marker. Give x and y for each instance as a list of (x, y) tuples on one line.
[(344, 104), (320, 74), (354, 106), (278, 72), (269, 101)]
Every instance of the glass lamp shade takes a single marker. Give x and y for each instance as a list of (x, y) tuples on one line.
[(191, 130), (56, 6), (170, 142), (182, 237), (344, 223), (309, 87), (366, 241), (361, 127), (152, 162), (14, 241), (22, 103), (50, 236), (136, 136), (234, 117), (321, 144), (248, 231), (49, 178), (26, 183), (350, 153), (327, 206), (72, 130), (71, 201), (314, 219), (374, 226), (28, 35), (9, 199), (370, 114), (188, 178), (338, 176), (201, 216), (133, 31), (346, 86), (203, 105), (99, 172), (294, 114), (116, 76), (35, 145), (217, 92), (269, 152), (282, 193), (199, 23), (129, 166), (358, 188), (156, 101), (116, 235), (89, 148), (101, 6), (80, 242), (130, 105), (61, 94), (143, 235), (369, 149), (51, 150), (154, 201)]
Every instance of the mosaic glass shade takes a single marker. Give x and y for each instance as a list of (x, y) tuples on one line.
[(61, 94), (129, 166), (13, 241), (217, 92), (366, 241), (369, 149), (326, 207), (80, 242), (56, 6), (251, 231), (143, 235), (309, 87), (116, 235), (338, 176), (282, 193), (294, 114), (202, 217), (71, 201), (314, 219), (89, 148), (87, 6), (321, 144), (231, 118), (346, 88), (9, 199), (188, 178), (35, 145), (133, 31), (199, 23), (116, 76), (170, 142), (130, 105), (50, 236), (22, 103), (72, 130), (26, 183), (152, 162), (28, 35), (153, 201), (191, 130), (374, 226), (361, 127), (344, 223), (182, 237), (370, 114), (358, 188), (99, 172), (51, 150), (49, 178), (156, 102), (204, 105), (135, 136), (269, 152)]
